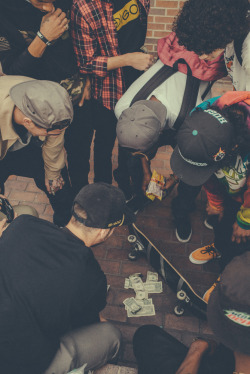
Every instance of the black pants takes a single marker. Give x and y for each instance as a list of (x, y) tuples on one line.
[(91, 116), (130, 167), (28, 162), (157, 352), (223, 233)]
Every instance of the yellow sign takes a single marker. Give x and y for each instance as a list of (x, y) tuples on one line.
[(127, 14)]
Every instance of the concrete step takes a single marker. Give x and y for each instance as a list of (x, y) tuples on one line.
[(114, 369)]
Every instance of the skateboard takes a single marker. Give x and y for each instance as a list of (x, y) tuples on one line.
[(186, 296)]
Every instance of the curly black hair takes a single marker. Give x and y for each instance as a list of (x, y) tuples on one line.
[(203, 26)]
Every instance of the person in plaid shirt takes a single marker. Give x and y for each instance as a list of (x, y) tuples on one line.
[(107, 37)]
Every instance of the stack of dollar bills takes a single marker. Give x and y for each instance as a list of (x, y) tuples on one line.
[(141, 305)]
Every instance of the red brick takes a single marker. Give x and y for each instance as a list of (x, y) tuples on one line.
[(46, 217), (150, 320), (114, 313), (128, 354), (41, 198), (166, 4), (100, 250), (172, 12), (15, 184), (12, 178), (115, 281), (24, 179), (110, 267), (120, 296), (183, 323), (22, 195), (48, 210), (117, 254), (155, 26), (132, 267), (157, 11), (31, 187), (127, 332)]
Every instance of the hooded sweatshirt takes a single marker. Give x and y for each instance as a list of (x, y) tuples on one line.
[(233, 180), (52, 149)]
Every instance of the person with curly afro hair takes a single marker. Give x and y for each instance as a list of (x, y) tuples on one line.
[(208, 27)]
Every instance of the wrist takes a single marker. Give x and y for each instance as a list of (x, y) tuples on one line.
[(43, 38)]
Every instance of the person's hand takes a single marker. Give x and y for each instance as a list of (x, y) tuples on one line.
[(54, 185), (239, 235), (54, 24), (86, 92), (214, 212), (145, 182), (170, 183), (140, 61)]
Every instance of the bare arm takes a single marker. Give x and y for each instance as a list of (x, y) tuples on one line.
[(138, 60), (192, 361)]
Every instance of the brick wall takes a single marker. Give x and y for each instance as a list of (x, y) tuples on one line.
[(160, 21)]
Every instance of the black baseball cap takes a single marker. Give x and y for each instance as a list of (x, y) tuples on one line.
[(105, 206), (229, 305), (203, 141)]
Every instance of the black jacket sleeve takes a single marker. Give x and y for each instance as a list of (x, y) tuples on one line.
[(16, 62)]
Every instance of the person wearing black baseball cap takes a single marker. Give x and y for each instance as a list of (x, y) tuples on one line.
[(228, 316), (54, 289), (214, 150)]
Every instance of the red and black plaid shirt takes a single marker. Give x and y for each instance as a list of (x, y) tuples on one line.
[(95, 39)]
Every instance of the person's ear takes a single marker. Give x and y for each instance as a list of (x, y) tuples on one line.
[(28, 124)]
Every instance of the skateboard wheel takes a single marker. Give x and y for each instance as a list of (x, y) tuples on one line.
[(131, 238), (181, 295), (178, 311), (132, 256)]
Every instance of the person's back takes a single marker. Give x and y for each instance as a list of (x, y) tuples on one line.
[(47, 276)]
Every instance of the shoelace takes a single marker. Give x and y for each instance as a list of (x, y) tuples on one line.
[(210, 250)]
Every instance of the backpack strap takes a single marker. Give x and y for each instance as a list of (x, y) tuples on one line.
[(190, 94), (155, 81)]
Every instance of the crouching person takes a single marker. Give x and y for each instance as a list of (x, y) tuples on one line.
[(34, 115), (53, 289)]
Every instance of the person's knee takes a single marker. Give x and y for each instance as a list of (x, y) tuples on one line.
[(112, 336)]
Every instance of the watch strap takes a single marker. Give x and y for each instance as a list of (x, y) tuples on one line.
[(42, 37)]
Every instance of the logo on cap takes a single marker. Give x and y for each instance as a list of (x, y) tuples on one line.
[(242, 319), (216, 115), (219, 155)]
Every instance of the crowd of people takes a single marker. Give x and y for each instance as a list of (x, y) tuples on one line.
[(71, 70)]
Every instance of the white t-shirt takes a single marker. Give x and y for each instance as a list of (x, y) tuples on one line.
[(240, 75), (169, 93)]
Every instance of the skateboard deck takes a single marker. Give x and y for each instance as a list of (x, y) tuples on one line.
[(186, 296)]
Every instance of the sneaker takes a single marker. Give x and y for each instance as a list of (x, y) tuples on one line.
[(138, 202), (204, 254), (183, 231), (207, 294), (210, 221)]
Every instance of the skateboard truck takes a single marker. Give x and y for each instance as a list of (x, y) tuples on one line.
[(183, 300), (138, 248)]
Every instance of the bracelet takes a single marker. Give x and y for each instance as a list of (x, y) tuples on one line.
[(43, 39)]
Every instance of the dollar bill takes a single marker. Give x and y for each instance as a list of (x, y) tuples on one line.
[(137, 283), (145, 302), (132, 305), (153, 287), (140, 295), (127, 284), (152, 277), (147, 310)]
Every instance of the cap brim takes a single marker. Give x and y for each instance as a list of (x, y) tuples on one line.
[(229, 333), (190, 174), (129, 217)]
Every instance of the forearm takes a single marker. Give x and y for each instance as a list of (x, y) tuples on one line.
[(117, 62), (194, 356), (37, 47)]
